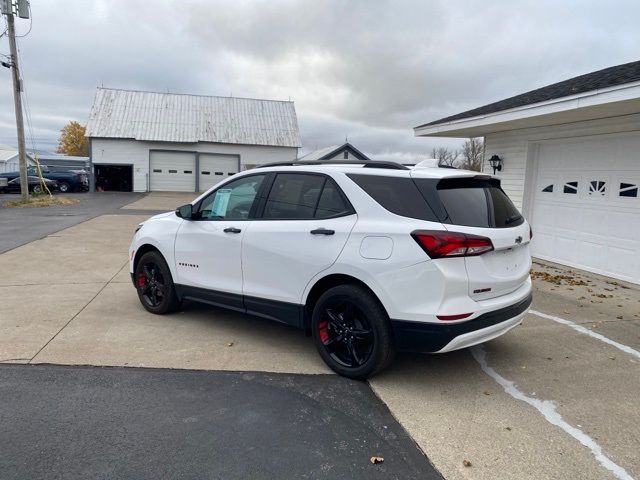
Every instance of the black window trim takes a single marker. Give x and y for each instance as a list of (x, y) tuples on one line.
[(254, 207), (263, 201)]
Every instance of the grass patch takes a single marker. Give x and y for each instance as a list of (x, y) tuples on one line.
[(42, 201)]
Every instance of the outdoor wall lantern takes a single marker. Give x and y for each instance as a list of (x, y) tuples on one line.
[(496, 163)]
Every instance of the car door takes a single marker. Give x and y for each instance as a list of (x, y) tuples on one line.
[(208, 246), (301, 229)]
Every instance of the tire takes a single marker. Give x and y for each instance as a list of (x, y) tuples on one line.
[(351, 331), (154, 284), (37, 189), (64, 187)]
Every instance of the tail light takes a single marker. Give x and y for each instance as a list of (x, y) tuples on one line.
[(439, 244)]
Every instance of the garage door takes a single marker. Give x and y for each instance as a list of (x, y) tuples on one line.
[(586, 205), (172, 172), (215, 168)]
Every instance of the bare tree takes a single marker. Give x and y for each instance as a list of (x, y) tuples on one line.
[(472, 154), (446, 157)]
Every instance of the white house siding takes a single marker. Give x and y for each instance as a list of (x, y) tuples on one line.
[(517, 148), (136, 153)]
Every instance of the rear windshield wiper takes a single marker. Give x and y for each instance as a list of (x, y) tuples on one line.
[(512, 218)]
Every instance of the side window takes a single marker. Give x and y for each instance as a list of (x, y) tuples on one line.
[(570, 187), (293, 196), (548, 189), (331, 203), (399, 195), (232, 201), (628, 190)]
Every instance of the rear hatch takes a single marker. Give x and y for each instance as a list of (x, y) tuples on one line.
[(477, 205)]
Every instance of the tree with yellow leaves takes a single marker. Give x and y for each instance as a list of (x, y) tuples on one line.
[(72, 140)]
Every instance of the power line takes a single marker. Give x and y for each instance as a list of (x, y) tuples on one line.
[(27, 108)]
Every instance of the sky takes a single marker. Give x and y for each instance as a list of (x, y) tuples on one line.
[(368, 71)]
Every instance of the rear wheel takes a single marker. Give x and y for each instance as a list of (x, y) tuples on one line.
[(64, 187), (37, 188), (154, 284), (351, 331)]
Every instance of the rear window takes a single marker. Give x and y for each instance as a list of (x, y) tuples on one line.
[(399, 195), (472, 202)]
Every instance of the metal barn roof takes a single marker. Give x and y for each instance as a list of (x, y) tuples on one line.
[(170, 117)]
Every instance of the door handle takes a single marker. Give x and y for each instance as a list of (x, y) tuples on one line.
[(232, 230), (322, 231)]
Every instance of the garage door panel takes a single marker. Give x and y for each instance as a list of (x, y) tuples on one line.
[(566, 217), (591, 224), (214, 168), (623, 261), (172, 171)]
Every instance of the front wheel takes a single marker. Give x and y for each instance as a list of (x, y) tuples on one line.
[(64, 187), (154, 284), (351, 331)]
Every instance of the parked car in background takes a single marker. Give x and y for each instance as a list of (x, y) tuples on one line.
[(3, 184), (35, 185), (69, 181), (368, 257)]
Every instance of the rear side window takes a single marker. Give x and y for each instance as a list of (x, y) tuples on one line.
[(399, 195), (331, 203), (293, 196), (471, 202)]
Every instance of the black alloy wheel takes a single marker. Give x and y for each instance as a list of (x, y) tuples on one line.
[(346, 333), (352, 332), (151, 284), (154, 284)]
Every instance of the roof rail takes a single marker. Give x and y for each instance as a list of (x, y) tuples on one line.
[(364, 163)]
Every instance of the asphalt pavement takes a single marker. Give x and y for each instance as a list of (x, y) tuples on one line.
[(116, 423), (20, 226)]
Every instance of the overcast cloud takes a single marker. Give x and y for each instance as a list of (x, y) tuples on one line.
[(369, 70)]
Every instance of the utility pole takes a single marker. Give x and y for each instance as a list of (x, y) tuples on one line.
[(17, 100)]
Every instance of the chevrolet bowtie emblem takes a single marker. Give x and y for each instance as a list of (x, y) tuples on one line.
[(518, 239)]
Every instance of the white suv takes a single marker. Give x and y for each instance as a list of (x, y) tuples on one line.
[(369, 258)]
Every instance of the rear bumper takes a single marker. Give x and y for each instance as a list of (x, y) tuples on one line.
[(443, 337)]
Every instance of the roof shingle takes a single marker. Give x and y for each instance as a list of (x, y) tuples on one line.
[(608, 77)]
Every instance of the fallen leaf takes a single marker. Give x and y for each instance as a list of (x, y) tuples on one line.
[(376, 460), (487, 392), (508, 428), (612, 358), (549, 358), (619, 317), (230, 344), (566, 311), (466, 463)]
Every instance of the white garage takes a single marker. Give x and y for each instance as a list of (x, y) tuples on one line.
[(569, 158), (586, 211), (213, 168), (185, 143), (172, 171)]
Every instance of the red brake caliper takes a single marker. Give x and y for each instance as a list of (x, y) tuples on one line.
[(323, 328), (142, 280)]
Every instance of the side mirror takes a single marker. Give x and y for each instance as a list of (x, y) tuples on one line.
[(185, 211)]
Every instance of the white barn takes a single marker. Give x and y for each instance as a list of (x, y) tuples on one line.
[(570, 160), (147, 141), (10, 160)]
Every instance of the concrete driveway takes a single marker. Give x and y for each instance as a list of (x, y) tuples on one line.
[(555, 398)]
